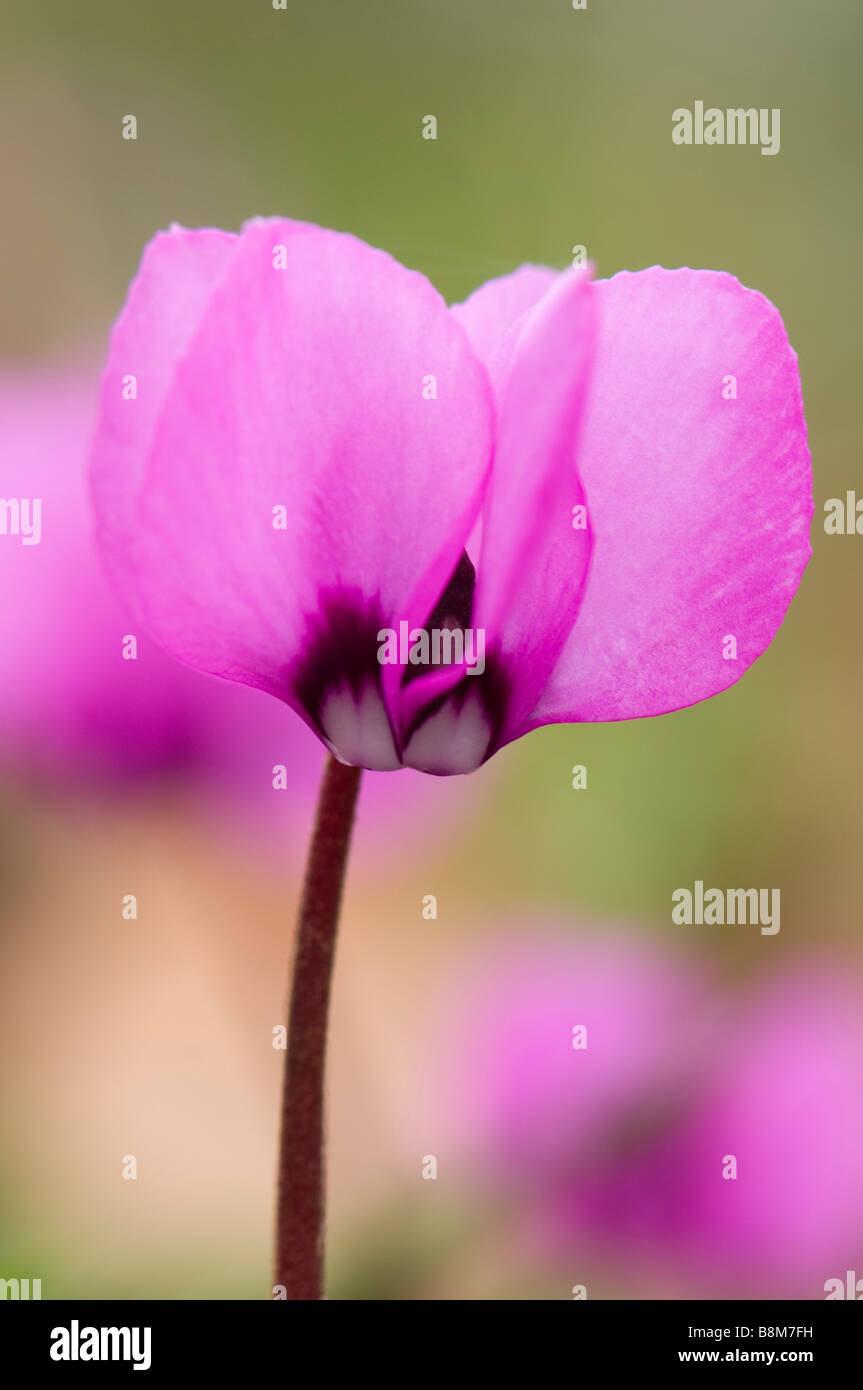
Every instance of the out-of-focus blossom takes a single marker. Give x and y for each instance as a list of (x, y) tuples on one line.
[(564, 1046), (297, 440), (71, 706), (782, 1107), (710, 1131)]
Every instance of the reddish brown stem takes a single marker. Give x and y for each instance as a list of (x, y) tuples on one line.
[(300, 1214)]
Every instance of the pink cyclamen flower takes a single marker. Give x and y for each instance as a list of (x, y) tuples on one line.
[(602, 482)]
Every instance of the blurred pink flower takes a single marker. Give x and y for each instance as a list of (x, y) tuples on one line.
[(784, 1099), (541, 1102), (297, 441), (621, 1146), (73, 711), (70, 705)]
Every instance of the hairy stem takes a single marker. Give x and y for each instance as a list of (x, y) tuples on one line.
[(300, 1213)]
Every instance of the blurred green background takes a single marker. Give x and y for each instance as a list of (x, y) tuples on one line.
[(553, 130)]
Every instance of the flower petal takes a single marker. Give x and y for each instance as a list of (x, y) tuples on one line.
[(491, 311), (700, 501), (534, 556), (178, 272)]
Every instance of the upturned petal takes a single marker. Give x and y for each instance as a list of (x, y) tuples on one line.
[(698, 479), (495, 308), (535, 550)]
